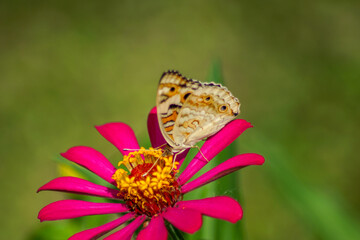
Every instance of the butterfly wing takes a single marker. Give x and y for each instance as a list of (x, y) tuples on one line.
[(205, 112), (173, 91)]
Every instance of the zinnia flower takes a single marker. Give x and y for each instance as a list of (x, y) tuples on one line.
[(149, 192)]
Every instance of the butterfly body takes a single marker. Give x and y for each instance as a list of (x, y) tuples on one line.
[(189, 111)]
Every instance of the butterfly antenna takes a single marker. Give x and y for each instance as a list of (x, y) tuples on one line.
[(130, 149), (196, 146)]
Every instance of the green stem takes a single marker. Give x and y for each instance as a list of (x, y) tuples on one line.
[(175, 233)]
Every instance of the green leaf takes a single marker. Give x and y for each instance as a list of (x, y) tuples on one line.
[(175, 233)]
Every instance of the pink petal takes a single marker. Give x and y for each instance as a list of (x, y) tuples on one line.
[(65, 209), (155, 134), (155, 230), (95, 233), (224, 169), (127, 232), (92, 160), (222, 207), (119, 134), (213, 146), (186, 220), (80, 186)]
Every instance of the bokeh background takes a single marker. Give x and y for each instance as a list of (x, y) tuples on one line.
[(66, 66)]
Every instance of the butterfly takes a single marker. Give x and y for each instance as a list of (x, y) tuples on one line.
[(189, 111)]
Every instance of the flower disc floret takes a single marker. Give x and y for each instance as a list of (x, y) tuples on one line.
[(149, 185)]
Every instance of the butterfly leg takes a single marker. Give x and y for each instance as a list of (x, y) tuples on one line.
[(166, 152), (196, 146), (161, 146), (151, 167), (174, 158)]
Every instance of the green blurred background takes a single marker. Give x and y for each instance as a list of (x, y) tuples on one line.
[(66, 66)]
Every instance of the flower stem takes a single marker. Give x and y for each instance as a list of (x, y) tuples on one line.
[(175, 233)]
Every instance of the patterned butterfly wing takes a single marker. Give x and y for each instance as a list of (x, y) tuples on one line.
[(205, 112), (173, 91)]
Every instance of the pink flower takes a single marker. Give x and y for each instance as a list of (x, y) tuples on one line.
[(149, 199)]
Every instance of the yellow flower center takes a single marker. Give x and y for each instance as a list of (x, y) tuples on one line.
[(149, 186)]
